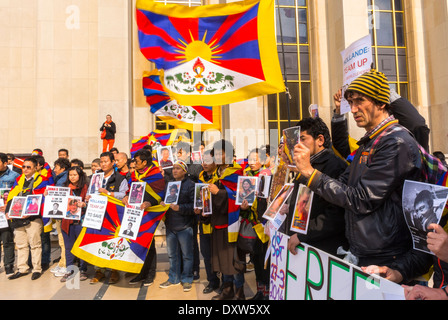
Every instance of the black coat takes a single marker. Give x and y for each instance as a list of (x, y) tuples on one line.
[(184, 218), (110, 131), (370, 190)]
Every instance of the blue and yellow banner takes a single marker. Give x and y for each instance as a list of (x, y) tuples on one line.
[(105, 249)]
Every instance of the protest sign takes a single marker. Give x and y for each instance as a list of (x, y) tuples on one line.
[(302, 210), (264, 185), (136, 193), (313, 274), (95, 212), (291, 137), (246, 188), (357, 60), (173, 191), (206, 197), (16, 209), (3, 221), (55, 202), (423, 204), (32, 205), (277, 207), (130, 223), (197, 195), (95, 183), (73, 210)]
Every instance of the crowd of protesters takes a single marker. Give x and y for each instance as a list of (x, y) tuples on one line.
[(356, 211)]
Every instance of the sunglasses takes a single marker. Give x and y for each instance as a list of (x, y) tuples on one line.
[(27, 167)]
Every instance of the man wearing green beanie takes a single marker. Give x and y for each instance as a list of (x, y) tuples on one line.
[(370, 190)]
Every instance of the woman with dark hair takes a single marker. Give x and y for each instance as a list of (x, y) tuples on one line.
[(77, 182)]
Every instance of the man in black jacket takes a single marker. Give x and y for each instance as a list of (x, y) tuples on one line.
[(326, 229), (370, 190)]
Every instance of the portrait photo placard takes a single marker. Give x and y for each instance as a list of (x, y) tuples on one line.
[(16, 208), (246, 189), (32, 205), (206, 200), (423, 204), (172, 192), (73, 211), (130, 224), (302, 210), (198, 204), (137, 193), (95, 183)]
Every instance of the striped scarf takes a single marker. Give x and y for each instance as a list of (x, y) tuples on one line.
[(155, 183)]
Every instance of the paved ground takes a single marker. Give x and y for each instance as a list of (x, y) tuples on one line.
[(49, 287)]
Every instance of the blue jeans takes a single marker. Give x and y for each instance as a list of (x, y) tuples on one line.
[(180, 246)]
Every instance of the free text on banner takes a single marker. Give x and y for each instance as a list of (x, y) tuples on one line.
[(312, 274)]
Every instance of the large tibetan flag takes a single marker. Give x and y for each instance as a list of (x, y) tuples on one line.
[(229, 180), (105, 249), (213, 54), (193, 118)]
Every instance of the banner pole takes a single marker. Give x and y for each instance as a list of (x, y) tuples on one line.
[(288, 95)]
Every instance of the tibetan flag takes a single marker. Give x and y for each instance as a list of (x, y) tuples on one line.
[(193, 118), (156, 137), (105, 249), (155, 182), (229, 179), (213, 54)]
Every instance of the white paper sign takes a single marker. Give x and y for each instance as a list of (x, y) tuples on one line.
[(95, 212), (3, 221), (130, 224), (357, 60)]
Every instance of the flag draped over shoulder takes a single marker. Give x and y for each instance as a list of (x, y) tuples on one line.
[(229, 180), (41, 181), (213, 54), (155, 182), (194, 118), (105, 249)]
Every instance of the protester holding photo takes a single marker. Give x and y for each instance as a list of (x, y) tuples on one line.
[(179, 220), (205, 230), (326, 229), (254, 213), (147, 171), (370, 190), (27, 231), (77, 182), (116, 186)]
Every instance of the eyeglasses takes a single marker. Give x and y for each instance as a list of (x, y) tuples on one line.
[(27, 167)]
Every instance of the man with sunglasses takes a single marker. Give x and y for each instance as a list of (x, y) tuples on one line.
[(27, 231)]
